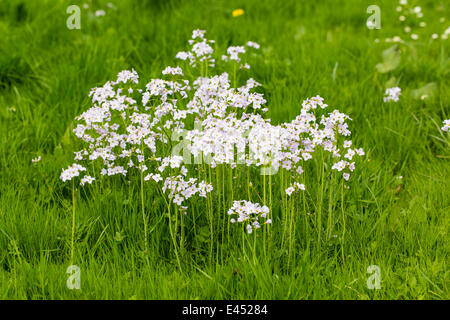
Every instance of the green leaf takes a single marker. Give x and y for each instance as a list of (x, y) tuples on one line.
[(392, 82), (391, 60), (300, 32), (66, 139), (425, 92), (119, 236)]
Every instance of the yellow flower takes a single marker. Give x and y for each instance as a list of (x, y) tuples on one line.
[(237, 12)]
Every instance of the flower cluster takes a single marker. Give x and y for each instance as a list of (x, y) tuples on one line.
[(180, 189), (71, 172), (286, 145), (201, 50), (392, 94), (130, 128), (294, 187), (253, 214)]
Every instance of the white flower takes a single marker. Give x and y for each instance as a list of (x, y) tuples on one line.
[(71, 172), (173, 71), (294, 187), (349, 155), (249, 213), (233, 53), (252, 44), (339, 166), (289, 190), (36, 160), (198, 34), (86, 179), (299, 186), (370, 24), (182, 55), (446, 126), (392, 94), (100, 13)]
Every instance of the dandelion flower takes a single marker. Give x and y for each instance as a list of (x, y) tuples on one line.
[(237, 12)]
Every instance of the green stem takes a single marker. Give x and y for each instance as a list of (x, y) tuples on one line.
[(144, 220), (319, 215), (234, 75), (343, 222), (173, 237), (265, 227), (72, 247)]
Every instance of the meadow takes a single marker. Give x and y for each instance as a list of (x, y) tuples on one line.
[(131, 239)]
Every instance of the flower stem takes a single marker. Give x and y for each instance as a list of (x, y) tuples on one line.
[(144, 220), (72, 247)]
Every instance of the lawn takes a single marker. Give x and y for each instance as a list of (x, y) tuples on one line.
[(390, 219)]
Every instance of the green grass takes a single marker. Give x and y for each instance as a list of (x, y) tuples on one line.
[(308, 48)]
